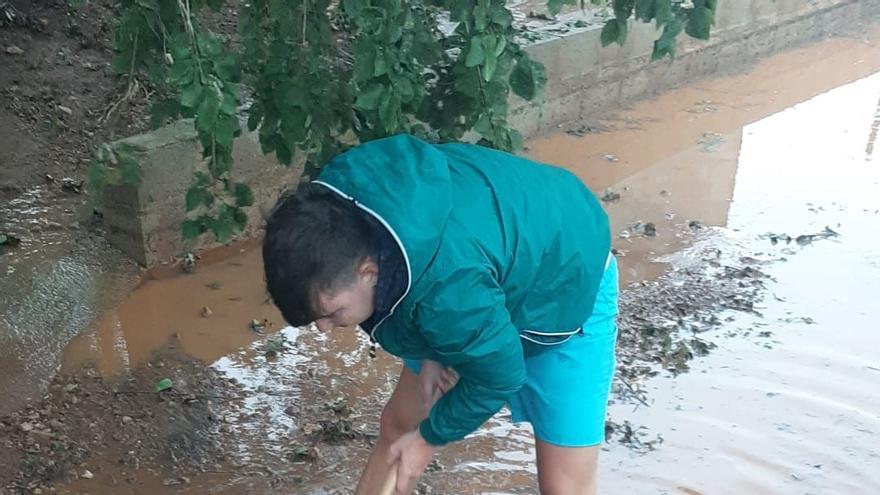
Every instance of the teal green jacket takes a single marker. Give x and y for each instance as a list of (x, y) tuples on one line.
[(504, 257)]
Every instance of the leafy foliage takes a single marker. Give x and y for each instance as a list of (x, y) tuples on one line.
[(325, 75), (695, 17)]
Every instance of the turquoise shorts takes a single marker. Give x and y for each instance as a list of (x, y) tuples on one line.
[(567, 385)]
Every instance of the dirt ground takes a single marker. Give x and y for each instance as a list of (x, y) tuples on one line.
[(58, 93)]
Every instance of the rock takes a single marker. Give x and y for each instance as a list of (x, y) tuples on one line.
[(87, 475), (70, 387), (14, 50), (611, 158), (206, 312), (65, 110), (26, 426), (180, 480), (650, 229), (55, 424), (610, 195), (127, 419)]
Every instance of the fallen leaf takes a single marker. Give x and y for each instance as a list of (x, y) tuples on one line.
[(163, 384)]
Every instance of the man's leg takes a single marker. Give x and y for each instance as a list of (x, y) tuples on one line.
[(406, 408), (566, 470)]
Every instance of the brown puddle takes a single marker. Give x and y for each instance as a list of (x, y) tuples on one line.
[(788, 412)]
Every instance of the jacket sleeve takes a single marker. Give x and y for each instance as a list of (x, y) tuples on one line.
[(465, 322)]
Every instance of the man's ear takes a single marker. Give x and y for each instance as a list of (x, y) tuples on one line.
[(368, 270)]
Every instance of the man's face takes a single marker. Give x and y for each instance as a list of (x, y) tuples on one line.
[(349, 305)]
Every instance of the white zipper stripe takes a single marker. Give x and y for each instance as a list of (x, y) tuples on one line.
[(554, 334), (396, 239)]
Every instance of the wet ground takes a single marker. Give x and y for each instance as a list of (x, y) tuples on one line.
[(747, 225)]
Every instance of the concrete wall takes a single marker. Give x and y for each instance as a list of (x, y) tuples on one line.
[(145, 221), (584, 80)]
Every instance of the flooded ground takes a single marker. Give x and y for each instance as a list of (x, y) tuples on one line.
[(763, 192)]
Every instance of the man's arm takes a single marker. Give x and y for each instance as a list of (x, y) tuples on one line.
[(468, 328)]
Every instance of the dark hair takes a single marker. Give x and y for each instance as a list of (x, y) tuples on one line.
[(314, 241)]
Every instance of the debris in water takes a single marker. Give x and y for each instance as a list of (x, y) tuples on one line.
[(275, 345), (695, 225), (301, 453), (188, 262), (710, 141), (611, 158), (583, 131), (258, 326), (8, 240), (664, 192), (645, 229), (87, 475), (610, 195), (72, 186), (163, 384), (215, 285), (802, 239), (631, 437), (180, 480)]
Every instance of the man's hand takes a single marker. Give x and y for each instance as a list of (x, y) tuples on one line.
[(412, 454), (436, 380)]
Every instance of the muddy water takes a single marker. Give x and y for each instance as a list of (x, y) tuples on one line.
[(788, 402)]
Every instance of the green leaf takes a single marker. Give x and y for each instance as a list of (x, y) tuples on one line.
[(225, 130), (614, 31), (389, 112), (645, 10), (239, 218), (662, 11), (255, 115), (380, 66), (489, 44), (283, 153), (225, 224), (191, 96), (190, 229), (364, 61), (130, 170), (665, 45), (243, 195), (700, 20), (475, 54), (483, 126), (502, 17), (197, 196), (226, 67), (368, 99), (516, 140), (207, 112), (527, 79), (163, 384), (481, 15), (163, 110)]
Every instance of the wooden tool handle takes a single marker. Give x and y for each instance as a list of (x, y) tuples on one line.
[(390, 481)]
